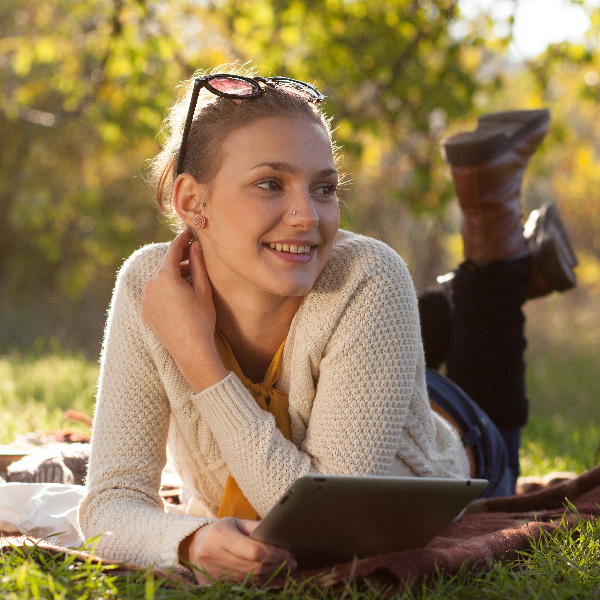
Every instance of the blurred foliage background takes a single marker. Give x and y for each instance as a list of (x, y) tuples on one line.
[(84, 87)]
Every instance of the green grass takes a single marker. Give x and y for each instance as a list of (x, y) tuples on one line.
[(35, 392), (563, 434), (555, 444), (563, 384), (563, 565)]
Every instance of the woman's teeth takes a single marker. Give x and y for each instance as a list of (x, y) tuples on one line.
[(290, 248)]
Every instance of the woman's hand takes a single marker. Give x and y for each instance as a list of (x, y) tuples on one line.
[(182, 316), (223, 551)]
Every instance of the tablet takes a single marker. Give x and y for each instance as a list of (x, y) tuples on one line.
[(330, 519)]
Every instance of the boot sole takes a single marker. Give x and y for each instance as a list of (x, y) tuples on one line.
[(555, 255), (495, 134)]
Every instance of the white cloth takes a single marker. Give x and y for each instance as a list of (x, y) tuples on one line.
[(43, 510)]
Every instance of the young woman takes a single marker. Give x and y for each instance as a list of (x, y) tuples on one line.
[(263, 343)]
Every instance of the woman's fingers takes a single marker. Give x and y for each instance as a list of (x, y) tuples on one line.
[(246, 526), (256, 551), (225, 551), (268, 554), (198, 272), (177, 251), (185, 270), (186, 248)]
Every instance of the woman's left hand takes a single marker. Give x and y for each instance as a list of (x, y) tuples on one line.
[(223, 550), (183, 317)]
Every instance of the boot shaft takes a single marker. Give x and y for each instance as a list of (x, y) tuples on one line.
[(489, 197)]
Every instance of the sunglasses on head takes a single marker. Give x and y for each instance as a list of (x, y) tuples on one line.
[(231, 86)]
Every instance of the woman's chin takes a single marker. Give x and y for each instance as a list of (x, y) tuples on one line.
[(292, 289), (287, 282), (290, 284)]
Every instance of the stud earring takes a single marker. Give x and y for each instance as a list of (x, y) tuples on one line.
[(199, 221), (294, 213)]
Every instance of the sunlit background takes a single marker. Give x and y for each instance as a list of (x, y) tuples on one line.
[(536, 23)]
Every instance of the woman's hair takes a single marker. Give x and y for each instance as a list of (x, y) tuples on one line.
[(215, 118)]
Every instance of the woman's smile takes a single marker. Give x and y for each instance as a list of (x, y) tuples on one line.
[(293, 247), (293, 250)]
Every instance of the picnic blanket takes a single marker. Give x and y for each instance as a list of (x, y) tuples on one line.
[(490, 530)]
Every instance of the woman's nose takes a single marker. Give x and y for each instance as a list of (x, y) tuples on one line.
[(302, 212)]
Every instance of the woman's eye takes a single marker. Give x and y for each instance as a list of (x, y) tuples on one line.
[(270, 185), (325, 190)]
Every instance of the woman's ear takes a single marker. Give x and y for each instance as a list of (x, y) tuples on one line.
[(189, 198)]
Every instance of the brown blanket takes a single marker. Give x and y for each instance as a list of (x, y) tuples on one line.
[(491, 530)]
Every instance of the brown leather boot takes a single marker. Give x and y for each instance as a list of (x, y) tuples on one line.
[(487, 168), (552, 259)]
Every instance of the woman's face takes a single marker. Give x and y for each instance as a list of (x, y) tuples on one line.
[(272, 211)]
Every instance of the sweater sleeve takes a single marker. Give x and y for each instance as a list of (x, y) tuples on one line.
[(129, 439), (367, 380)]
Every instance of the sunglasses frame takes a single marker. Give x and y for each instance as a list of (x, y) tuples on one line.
[(257, 90)]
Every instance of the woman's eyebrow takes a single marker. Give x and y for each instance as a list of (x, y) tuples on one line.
[(288, 168)]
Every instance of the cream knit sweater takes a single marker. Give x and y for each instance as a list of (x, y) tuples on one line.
[(353, 370)]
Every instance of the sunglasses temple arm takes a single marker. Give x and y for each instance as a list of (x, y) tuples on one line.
[(198, 85)]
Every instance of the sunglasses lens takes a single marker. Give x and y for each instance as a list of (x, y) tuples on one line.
[(297, 88), (235, 87)]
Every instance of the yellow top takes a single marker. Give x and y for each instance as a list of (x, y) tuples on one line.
[(234, 503)]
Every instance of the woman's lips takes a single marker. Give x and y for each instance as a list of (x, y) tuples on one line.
[(294, 248), (291, 256)]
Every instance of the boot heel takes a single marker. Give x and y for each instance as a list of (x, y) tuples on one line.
[(495, 134), (553, 259)]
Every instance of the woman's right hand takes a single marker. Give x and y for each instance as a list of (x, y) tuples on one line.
[(223, 550), (182, 316)]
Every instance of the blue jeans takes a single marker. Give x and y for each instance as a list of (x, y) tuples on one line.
[(481, 435)]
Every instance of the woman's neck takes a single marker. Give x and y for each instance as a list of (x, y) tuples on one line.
[(255, 328)]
